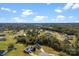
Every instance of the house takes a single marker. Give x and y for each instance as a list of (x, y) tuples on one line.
[(2, 34), (2, 52), (67, 37), (29, 49), (66, 41), (2, 37)]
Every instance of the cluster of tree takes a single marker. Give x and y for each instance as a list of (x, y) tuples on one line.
[(48, 40)]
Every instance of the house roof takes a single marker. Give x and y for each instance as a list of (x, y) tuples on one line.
[(2, 34), (28, 49), (2, 52)]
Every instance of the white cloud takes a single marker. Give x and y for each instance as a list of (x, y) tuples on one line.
[(75, 6), (5, 9), (22, 9), (60, 17), (40, 18), (19, 20), (27, 12), (71, 6), (14, 11), (48, 3), (68, 6), (76, 21), (58, 10), (71, 16), (66, 19), (8, 10)]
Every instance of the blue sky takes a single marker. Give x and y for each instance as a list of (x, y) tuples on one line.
[(39, 13)]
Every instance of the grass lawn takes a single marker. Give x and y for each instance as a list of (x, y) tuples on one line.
[(18, 51), (37, 52), (4, 44), (19, 47)]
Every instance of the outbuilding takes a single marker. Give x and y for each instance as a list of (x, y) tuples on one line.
[(2, 37)]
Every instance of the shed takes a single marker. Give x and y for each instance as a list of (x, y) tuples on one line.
[(2, 37), (2, 34)]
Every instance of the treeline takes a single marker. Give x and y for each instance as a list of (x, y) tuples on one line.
[(70, 29), (60, 27)]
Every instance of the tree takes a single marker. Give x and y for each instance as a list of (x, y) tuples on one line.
[(22, 39)]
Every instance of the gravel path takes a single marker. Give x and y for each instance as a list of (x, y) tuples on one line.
[(43, 53)]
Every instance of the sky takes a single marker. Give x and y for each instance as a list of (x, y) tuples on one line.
[(39, 12)]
